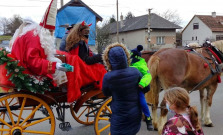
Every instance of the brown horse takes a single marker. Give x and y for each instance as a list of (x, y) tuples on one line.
[(177, 67)]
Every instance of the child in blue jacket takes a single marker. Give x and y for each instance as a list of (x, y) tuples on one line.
[(121, 82)]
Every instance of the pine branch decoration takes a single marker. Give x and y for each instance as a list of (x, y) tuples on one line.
[(23, 81)]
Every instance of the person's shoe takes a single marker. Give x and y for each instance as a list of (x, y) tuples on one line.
[(149, 123)]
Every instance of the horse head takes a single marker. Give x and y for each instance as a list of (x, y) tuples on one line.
[(218, 44)]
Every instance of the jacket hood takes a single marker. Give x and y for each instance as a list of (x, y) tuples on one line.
[(116, 56)]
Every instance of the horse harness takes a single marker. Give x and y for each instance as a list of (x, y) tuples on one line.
[(216, 56)]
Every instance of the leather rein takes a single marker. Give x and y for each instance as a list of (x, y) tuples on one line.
[(215, 60)]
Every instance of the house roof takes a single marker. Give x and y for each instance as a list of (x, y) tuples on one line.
[(141, 22), (214, 23), (79, 3)]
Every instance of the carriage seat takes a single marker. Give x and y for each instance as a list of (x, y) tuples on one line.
[(61, 57)]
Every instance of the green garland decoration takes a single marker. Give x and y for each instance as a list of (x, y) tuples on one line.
[(19, 79)]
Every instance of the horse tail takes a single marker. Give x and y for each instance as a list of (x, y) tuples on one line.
[(153, 65)]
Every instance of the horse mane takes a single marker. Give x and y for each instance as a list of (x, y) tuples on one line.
[(218, 44), (194, 45)]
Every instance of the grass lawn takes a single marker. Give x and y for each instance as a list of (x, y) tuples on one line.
[(5, 38)]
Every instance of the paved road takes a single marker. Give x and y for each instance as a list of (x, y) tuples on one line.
[(216, 115)]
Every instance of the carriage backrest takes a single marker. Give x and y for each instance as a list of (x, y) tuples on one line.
[(61, 57)]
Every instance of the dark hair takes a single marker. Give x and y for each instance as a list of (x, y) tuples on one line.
[(71, 26)]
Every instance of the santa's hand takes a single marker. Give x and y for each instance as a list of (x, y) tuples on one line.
[(64, 67), (60, 67)]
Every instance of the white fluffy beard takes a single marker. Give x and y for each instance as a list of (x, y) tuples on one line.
[(47, 43)]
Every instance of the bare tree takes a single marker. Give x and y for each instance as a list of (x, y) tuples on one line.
[(3, 25), (103, 37), (112, 19), (13, 24), (129, 15), (172, 16), (179, 38)]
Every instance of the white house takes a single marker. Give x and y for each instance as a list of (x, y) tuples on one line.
[(134, 31), (202, 27)]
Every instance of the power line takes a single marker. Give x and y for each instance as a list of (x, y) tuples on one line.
[(39, 0), (108, 5), (16, 6)]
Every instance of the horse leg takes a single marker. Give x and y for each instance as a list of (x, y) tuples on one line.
[(155, 117), (154, 109), (163, 116), (210, 92), (153, 97), (202, 100)]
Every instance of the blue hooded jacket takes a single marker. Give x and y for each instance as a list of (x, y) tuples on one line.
[(122, 84)]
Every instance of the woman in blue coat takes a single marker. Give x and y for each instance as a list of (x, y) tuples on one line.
[(121, 82)]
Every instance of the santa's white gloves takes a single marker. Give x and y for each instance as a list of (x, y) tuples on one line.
[(64, 67)]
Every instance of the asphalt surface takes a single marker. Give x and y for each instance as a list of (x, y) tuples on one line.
[(216, 116), (79, 129)]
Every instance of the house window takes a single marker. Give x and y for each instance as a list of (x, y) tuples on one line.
[(192, 38), (219, 37), (160, 41), (196, 37), (196, 26)]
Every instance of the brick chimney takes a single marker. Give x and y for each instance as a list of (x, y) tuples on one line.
[(121, 21), (213, 14)]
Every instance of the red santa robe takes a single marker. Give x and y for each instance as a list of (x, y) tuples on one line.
[(27, 49), (83, 75)]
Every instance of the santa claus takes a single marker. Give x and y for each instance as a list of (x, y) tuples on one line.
[(33, 46)]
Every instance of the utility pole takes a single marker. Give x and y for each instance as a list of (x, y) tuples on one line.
[(149, 30), (61, 3), (117, 34)]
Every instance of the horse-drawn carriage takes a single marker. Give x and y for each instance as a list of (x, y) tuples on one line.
[(26, 112)]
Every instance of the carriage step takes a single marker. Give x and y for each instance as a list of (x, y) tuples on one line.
[(65, 126)]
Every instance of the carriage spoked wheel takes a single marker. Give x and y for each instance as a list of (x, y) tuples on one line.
[(85, 115), (102, 119), (22, 114)]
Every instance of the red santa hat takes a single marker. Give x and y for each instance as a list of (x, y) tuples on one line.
[(49, 18)]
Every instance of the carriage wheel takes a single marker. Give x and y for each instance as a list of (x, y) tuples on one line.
[(102, 119), (20, 117), (86, 113)]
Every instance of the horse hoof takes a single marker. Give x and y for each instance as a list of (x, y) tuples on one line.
[(155, 129), (209, 125)]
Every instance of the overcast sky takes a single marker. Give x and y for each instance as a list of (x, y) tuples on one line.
[(186, 9)]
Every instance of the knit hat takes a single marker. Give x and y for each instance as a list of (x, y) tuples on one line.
[(70, 26), (49, 18), (136, 51)]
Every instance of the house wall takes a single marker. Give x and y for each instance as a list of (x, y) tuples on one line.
[(132, 38), (216, 33), (202, 33), (169, 36)]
